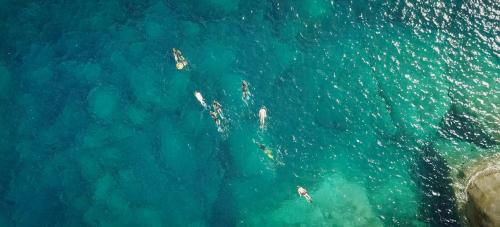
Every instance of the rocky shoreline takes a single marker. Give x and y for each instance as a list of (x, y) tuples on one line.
[(477, 191)]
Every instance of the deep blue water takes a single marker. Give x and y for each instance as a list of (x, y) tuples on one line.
[(373, 106)]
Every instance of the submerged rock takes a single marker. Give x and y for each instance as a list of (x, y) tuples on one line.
[(438, 205), (104, 102), (477, 189), (482, 207), (336, 200), (476, 92), (457, 123)]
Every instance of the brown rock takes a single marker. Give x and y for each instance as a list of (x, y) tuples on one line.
[(483, 198)]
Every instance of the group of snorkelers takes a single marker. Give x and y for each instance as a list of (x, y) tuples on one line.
[(217, 115), (216, 112)]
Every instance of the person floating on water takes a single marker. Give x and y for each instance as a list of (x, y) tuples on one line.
[(303, 193), (266, 150), (245, 92), (180, 61), (262, 117), (216, 119), (200, 99), (218, 108)]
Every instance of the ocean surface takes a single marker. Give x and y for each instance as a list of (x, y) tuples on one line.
[(373, 106)]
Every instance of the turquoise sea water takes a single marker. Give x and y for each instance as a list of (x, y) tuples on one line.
[(373, 107)]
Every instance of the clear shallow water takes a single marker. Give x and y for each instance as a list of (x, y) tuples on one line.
[(373, 107)]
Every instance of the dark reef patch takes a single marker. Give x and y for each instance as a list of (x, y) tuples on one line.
[(459, 124), (438, 206)]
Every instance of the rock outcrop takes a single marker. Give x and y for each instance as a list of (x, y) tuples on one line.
[(482, 207), (477, 189)]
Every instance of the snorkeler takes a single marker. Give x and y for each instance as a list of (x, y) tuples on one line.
[(303, 193), (245, 92), (218, 108), (266, 150), (216, 119), (180, 61), (262, 117), (200, 99)]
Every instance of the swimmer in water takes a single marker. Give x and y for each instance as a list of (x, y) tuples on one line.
[(218, 108), (303, 193), (262, 117), (266, 150), (180, 61), (216, 119), (200, 99), (245, 92)]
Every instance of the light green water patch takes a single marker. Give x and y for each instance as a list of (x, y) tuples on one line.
[(4, 220), (189, 29), (125, 34), (73, 117), (396, 201), (90, 72), (137, 115), (230, 87), (457, 153), (206, 9), (141, 186), (148, 217), (97, 136), (287, 30), (121, 66), (89, 168), (104, 102), (221, 7), (245, 191), (110, 12), (229, 95), (5, 81), (42, 75), (30, 115), (176, 92), (279, 58), (110, 158), (154, 30), (94, 136), (146, 86), (178, 159), (137, 53), (103, 187), (330, 205), (118, 211), (315, 9), (215, 57), (285, 54), (313, 22), (39, 55), (248, 159), (195, 121)]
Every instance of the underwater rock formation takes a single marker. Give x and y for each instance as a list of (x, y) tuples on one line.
[(432, 176), (464, 126), (483, 204), (472, 155), (477, 190)]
